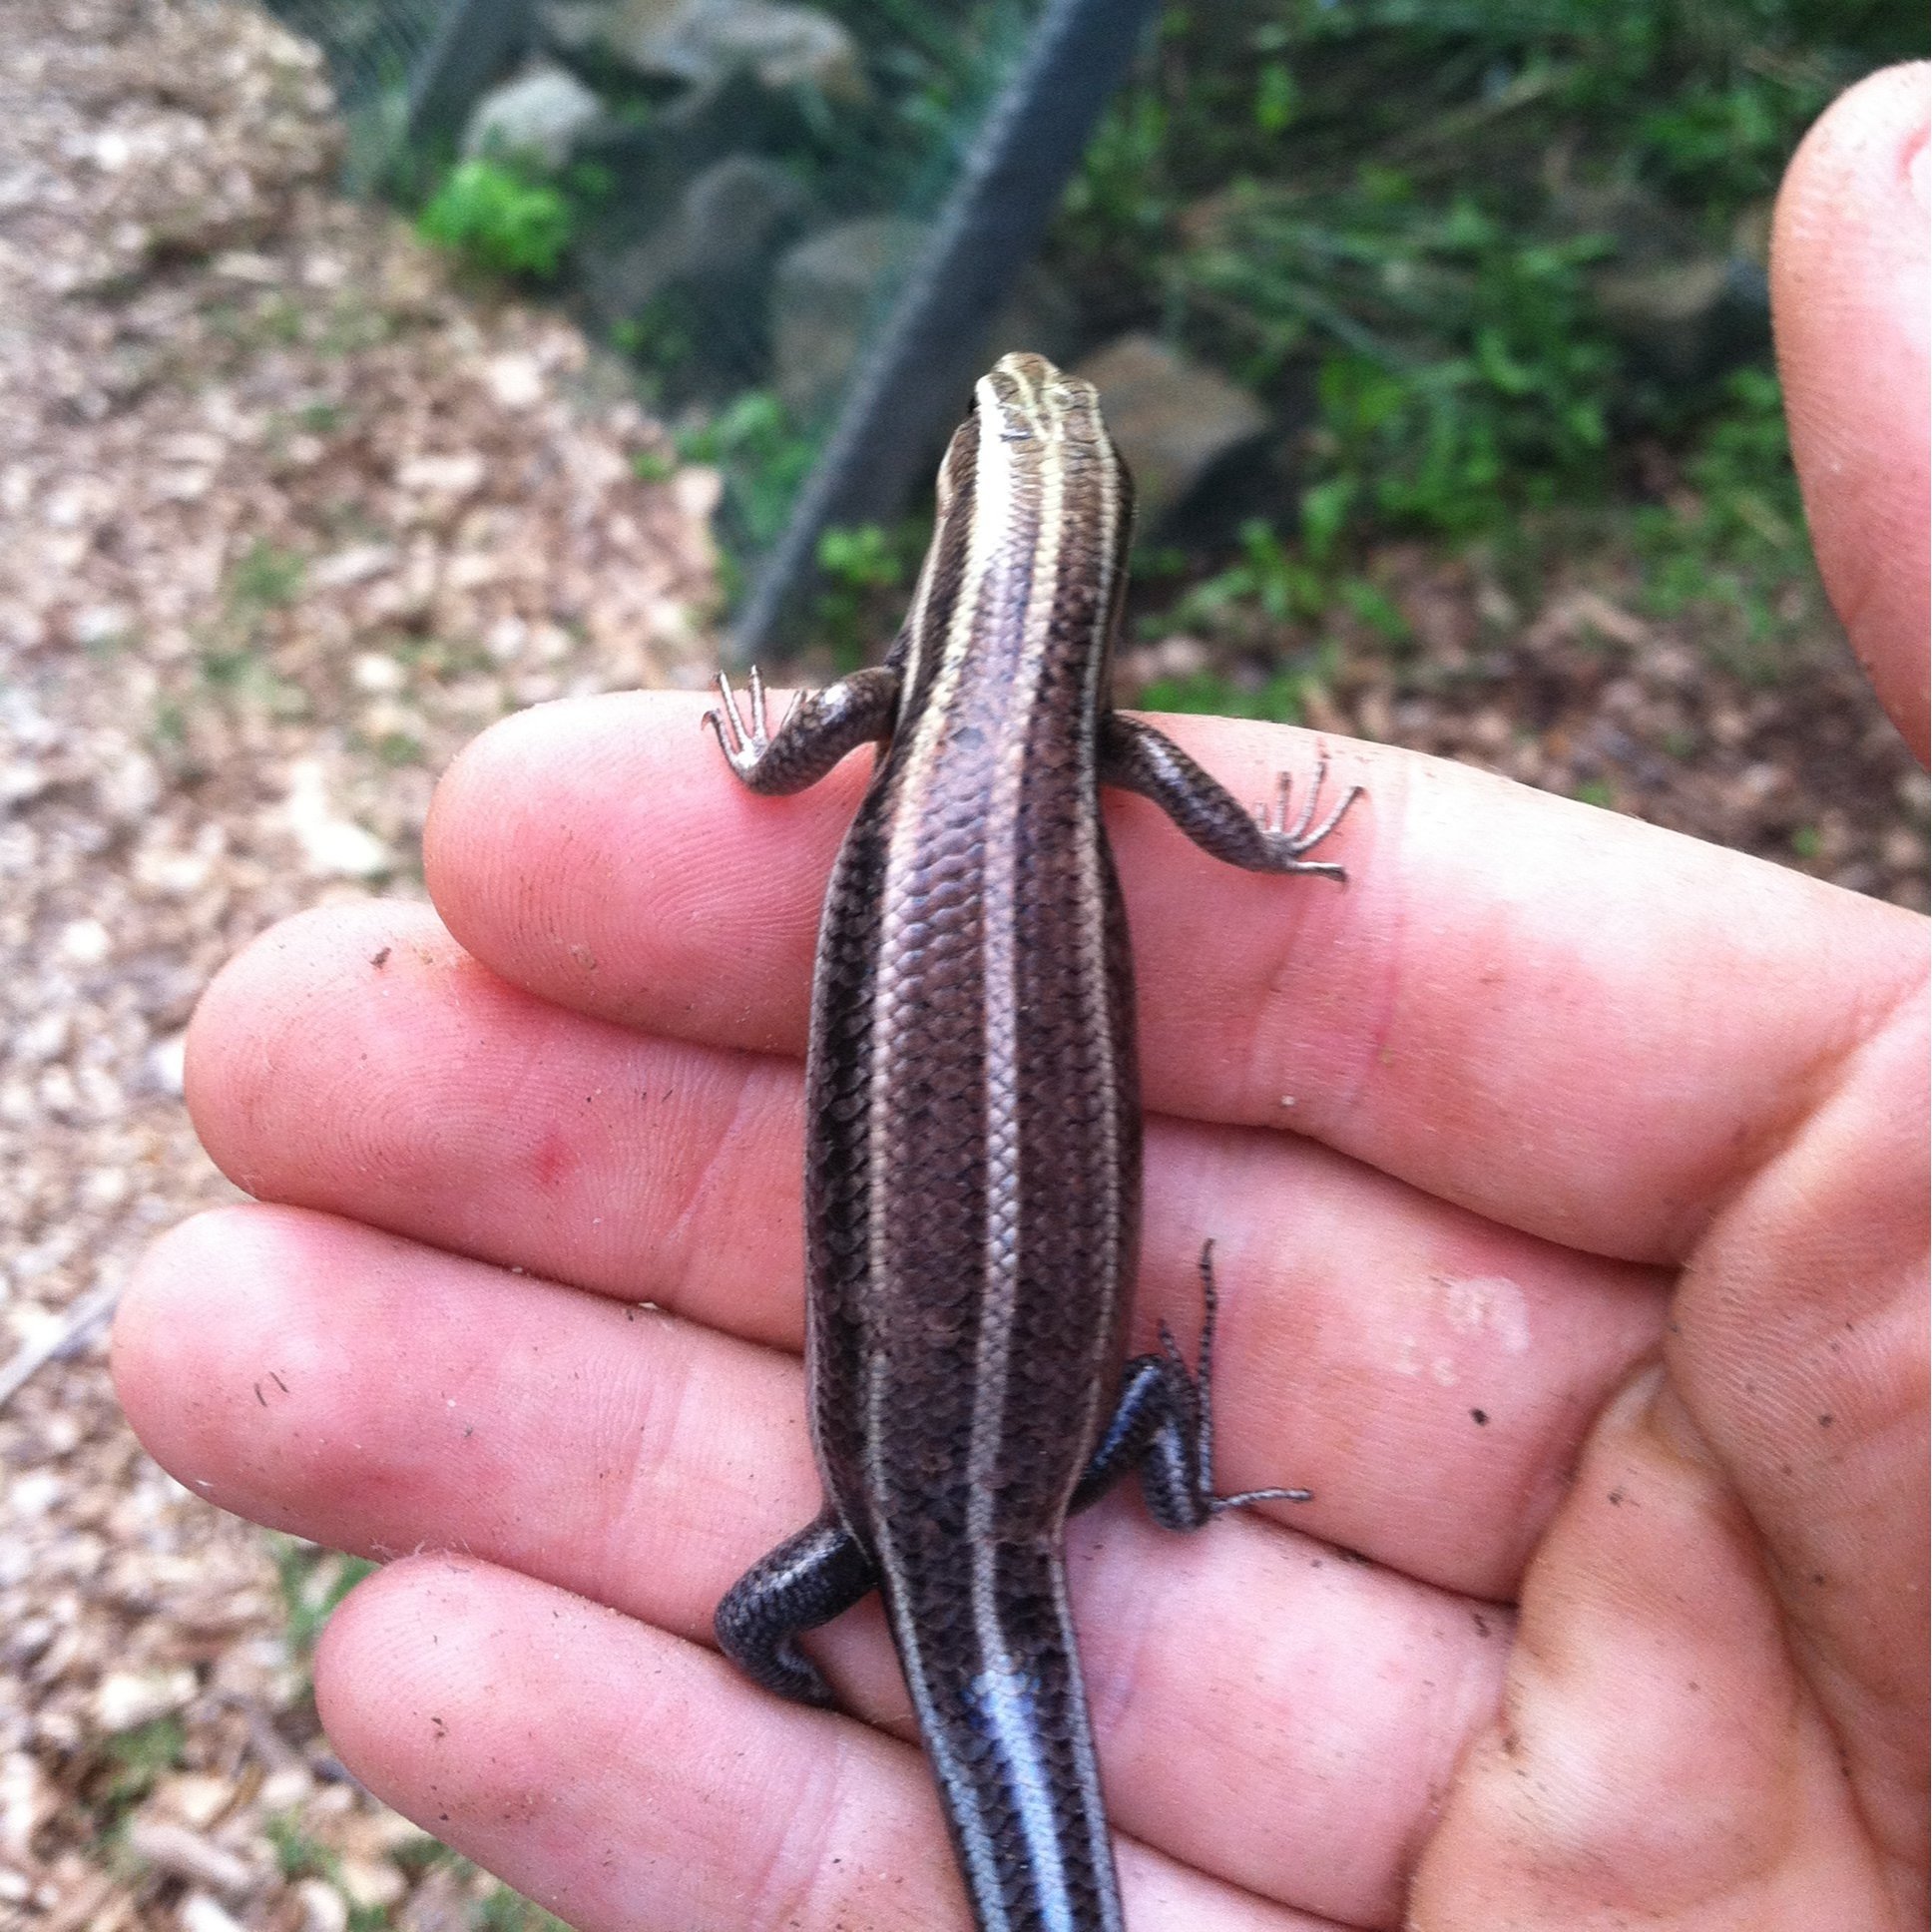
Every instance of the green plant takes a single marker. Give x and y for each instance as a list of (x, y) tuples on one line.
[(762, 459), (266, 577), (663, 335), (1466, 372), (1279, 698), (506, 1911), (1272, 576), (1410, 204), (398, 748), (502, 218), (140, 1757), (299, 1854), (863, 569), (1732, 546)]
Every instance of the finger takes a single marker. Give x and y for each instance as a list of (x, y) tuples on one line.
[(1798, 1344), (383, 1398), (1429, 1375), (630, 1782), (355, 1059), (1652, 1659), (1563, 1020), (1849, 287)]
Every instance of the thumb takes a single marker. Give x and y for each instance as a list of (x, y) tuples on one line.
[(1848, 298), (1658, 1761)]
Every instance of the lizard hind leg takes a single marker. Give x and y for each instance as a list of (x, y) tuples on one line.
[(1164, 1425), (806, 1580)]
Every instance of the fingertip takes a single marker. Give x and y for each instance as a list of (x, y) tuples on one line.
[(1849, 285), (594, 852), (149, 1331), (254, 1038), (546, 806), (369, 1659), (202, 1352)]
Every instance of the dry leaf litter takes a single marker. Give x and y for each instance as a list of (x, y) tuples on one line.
[(287, 514)]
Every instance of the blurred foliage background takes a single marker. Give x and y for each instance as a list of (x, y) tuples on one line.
[(1495, 269), (1423, 232)]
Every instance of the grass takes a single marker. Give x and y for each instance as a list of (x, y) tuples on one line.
[(265, 578), (1279, 698), (1389, 221), (141, 1758), (1732, 549), (762, 457), (502, 218), (312, 1580), (865, 573)]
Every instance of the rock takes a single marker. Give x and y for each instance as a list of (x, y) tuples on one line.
[(538, 115), (167, 1066), (355, 565), (438, 1904), (193, 1798), (656, 155), (729, 223), (1684, 310), (84, 942), (1040, 314), (377, 673), (128, 789), (1173, 420), (1691, 318), (370, 1884), (516, 381), (451, 474), (826, 292), (333, 846), (703, 42)]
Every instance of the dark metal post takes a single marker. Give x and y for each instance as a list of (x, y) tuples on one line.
[(914, 380), (474, 41)]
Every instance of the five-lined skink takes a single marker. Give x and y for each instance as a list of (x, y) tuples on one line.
[(973, 1142)]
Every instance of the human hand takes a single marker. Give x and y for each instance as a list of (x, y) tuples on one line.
[(1567, 1090)]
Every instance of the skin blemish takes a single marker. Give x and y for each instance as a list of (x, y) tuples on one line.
[(1487, 1304), (552, 1161), (1471, 1319)]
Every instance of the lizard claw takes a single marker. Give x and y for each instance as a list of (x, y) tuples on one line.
[(1291, 841), (742, 738)]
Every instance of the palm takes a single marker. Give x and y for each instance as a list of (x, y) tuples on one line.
[(1566, 1090)]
